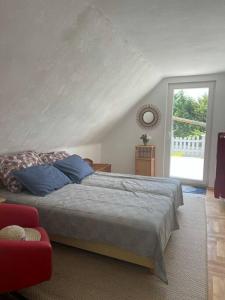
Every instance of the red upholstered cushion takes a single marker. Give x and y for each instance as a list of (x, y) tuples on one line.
[(23, 263), (21, 215)]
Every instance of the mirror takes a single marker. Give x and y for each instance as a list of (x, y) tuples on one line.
[(148, 116)]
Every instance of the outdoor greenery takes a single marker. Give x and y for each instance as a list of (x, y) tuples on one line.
[(178, 153), (192, 109)]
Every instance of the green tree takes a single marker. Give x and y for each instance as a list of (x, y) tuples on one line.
[(189, 108)]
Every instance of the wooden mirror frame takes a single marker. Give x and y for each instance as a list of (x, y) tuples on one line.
[(140, 116)]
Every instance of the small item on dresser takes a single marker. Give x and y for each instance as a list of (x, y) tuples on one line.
[(145, 139)]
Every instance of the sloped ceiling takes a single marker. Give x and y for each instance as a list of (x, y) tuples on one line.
[(181, 37), (69, 70)]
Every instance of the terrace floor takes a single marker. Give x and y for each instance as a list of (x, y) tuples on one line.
[(187, 167)]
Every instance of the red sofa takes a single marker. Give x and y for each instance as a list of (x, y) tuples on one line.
[(23, 263)]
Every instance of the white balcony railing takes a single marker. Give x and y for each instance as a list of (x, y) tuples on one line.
[(189, 146)]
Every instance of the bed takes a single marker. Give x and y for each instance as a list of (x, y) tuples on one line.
[(169, 187), (131, 221)]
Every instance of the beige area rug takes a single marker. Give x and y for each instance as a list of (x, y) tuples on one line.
[(80, 275)]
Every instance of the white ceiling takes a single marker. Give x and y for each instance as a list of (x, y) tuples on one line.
[(69, 70), (180, 37)]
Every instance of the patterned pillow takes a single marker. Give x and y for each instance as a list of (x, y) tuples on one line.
[(51, 157), (1, 184), (13, 162)]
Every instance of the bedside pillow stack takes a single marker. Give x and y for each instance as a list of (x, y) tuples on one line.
[(41, 173), (74, 167), (14, 162), (49, 158), (41, 180)]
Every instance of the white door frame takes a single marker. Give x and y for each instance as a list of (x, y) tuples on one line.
[(167, 138)]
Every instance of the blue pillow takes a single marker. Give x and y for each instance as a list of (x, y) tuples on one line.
[(74, 167), (41, 180)]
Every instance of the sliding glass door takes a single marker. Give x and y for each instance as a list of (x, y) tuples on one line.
[(189, 124)]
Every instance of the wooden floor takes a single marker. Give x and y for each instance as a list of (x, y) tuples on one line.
[(215, 211)]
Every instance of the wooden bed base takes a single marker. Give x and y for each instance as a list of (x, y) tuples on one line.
[(106, 250)]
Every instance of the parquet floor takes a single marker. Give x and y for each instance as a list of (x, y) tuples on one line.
[(215, 211)]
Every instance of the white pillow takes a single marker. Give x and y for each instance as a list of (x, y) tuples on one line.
[(12, 232)]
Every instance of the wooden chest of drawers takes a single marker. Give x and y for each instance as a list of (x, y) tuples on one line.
[(102, 167), (145, 160)]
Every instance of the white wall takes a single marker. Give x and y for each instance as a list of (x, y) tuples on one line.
[(66, 74), (118, 145), (92, 151)]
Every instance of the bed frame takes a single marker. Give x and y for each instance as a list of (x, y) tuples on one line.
[(107, 250)]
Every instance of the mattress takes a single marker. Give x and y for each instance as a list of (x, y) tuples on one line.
[(139, 222), (135, 183)]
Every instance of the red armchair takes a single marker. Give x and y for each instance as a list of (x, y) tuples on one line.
[(23, 263)]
